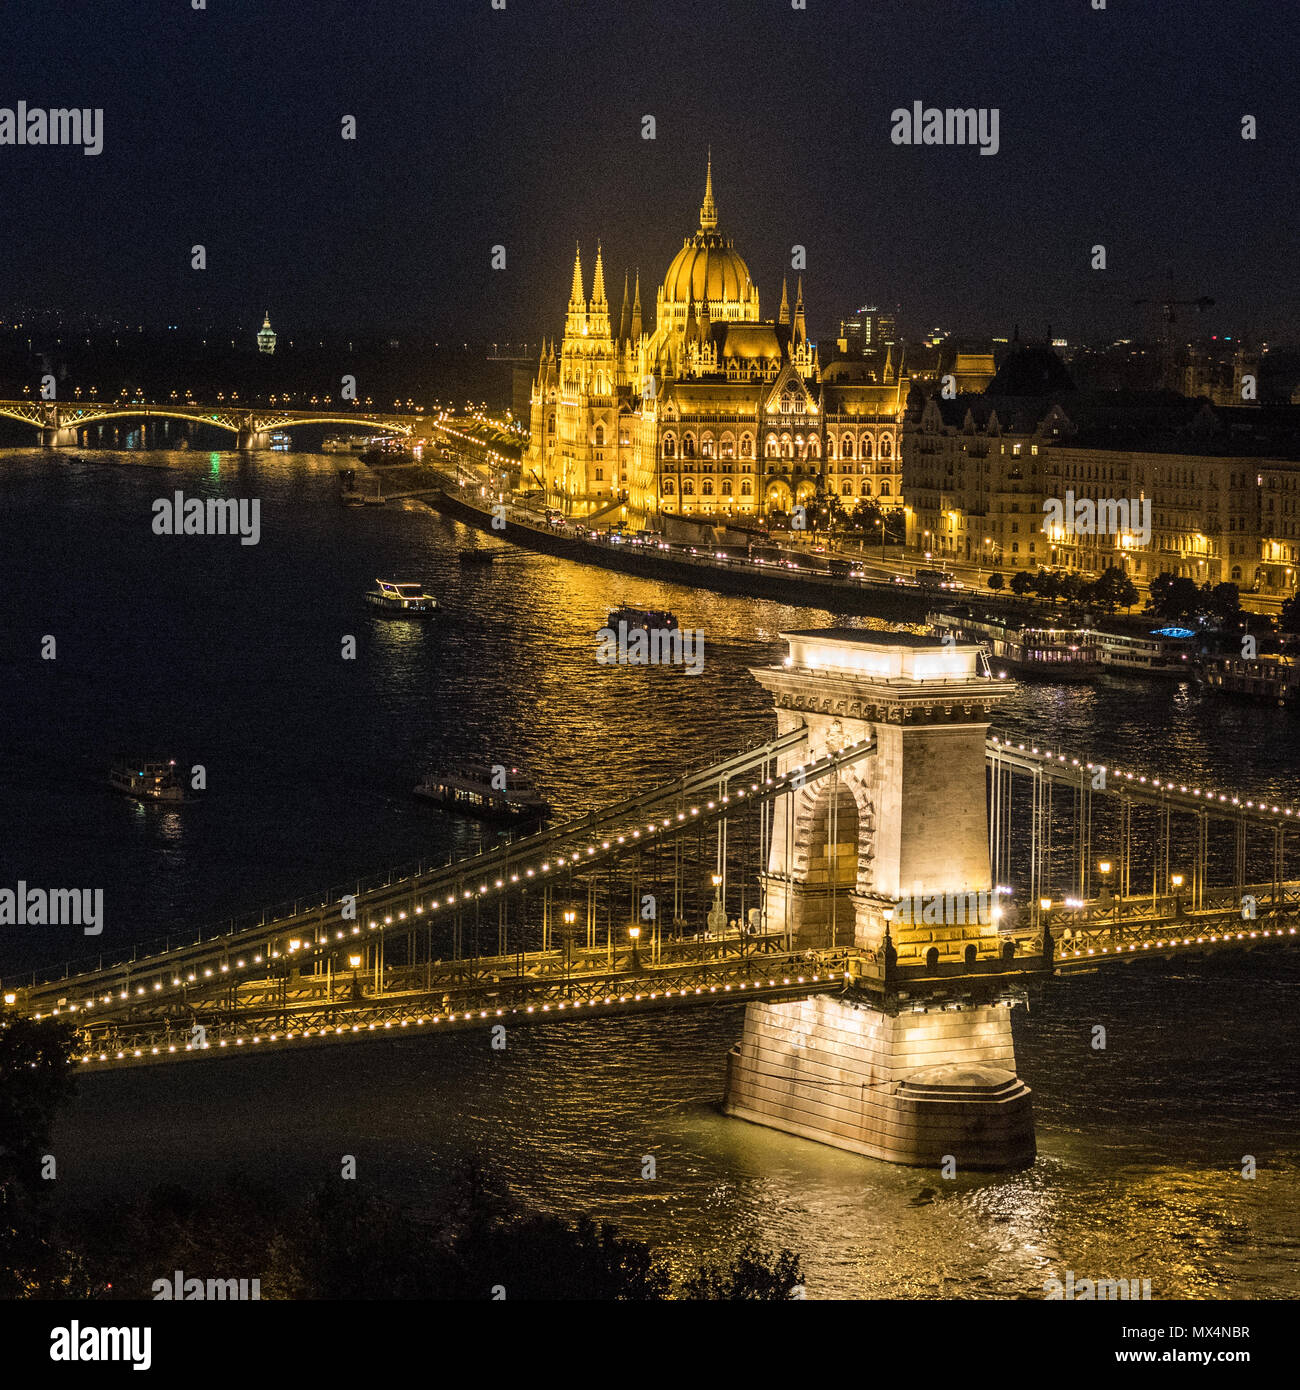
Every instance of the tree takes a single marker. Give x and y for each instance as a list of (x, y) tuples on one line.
[(1047, 585), (1221, 601), (35, 1079), (1289, 618), (996, 582), (1176, 596), (1022, 583), (1070, 587), (753, 1275), (1113, 589)]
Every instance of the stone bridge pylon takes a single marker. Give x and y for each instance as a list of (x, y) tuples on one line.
[(915, 1062)]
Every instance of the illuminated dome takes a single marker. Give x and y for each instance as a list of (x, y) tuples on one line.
[(708, 268)]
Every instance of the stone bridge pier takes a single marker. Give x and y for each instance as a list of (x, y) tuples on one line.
[(913, 1063)]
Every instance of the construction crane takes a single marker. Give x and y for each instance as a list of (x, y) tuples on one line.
[(1168, 304)]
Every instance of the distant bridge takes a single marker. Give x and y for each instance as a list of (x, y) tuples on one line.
[(60, 421)]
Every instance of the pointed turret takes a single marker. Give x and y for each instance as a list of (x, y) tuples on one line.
[(784, 315), (889, 363), (577, 300), (624, 321), (800, 332), (636, 311), (575, 324), (598, 284), (708, 209), (691, 333)]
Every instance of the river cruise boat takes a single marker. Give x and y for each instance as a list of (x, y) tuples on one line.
[(150, 782), (1166, 654), (489, 793), (647, 619), (399, 600), (1044, 653), (1267, 680)]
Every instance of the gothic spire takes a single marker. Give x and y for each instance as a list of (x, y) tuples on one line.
[(576, 298), (784, 315), (708, 209)]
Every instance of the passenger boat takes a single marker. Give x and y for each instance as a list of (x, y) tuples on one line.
[(1165, 653), (648, 619), (148, 781), (477, 557), (1267, 680), (490, 793), (399, 600), (1049, 653)]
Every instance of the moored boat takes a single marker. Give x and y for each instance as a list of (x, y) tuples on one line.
[(1048, 653), (477, 557)]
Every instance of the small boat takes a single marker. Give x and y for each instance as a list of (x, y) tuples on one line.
[(477, 557), (648, 619), (399, 600), (352, 499), (490, 793), (148, 781)]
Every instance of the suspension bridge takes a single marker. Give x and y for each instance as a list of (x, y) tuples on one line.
[(773, 877)]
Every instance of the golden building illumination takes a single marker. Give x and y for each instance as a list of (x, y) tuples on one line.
[(712, 410)]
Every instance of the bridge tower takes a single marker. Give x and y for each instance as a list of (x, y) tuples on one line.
[(914, 1062)]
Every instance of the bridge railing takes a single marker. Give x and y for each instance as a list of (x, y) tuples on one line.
[(281, 915)]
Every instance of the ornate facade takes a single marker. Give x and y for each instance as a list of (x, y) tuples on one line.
[(711, 410)]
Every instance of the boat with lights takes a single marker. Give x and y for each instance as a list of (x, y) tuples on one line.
[(1044, 653), (488, 792), (148, 781), (646, 619), (398, 599)]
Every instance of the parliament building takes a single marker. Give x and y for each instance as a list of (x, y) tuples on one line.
[(710, 410)]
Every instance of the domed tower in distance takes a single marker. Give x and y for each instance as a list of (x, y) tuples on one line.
[(266, 335)]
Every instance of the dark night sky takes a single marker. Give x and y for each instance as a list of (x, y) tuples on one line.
[(523, 127)]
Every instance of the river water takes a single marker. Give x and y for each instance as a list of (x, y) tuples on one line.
[(231, 656)]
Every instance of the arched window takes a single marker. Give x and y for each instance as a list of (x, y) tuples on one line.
[(787, 447), (814, 448), (884, 488), (846, 488), (867, 451), (932, 958), (746, 488), (688, 488), (866, 487), (726, 487), (688, 446), (670, 446), (550, 423), (728, 447), (886, 448), (830, 447), (706, 446), (668, 487), (846, 450), (706, 487), (746, 446), (770, 446), (600, 436)]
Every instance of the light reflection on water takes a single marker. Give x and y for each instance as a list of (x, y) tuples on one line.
[(230, 656)]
